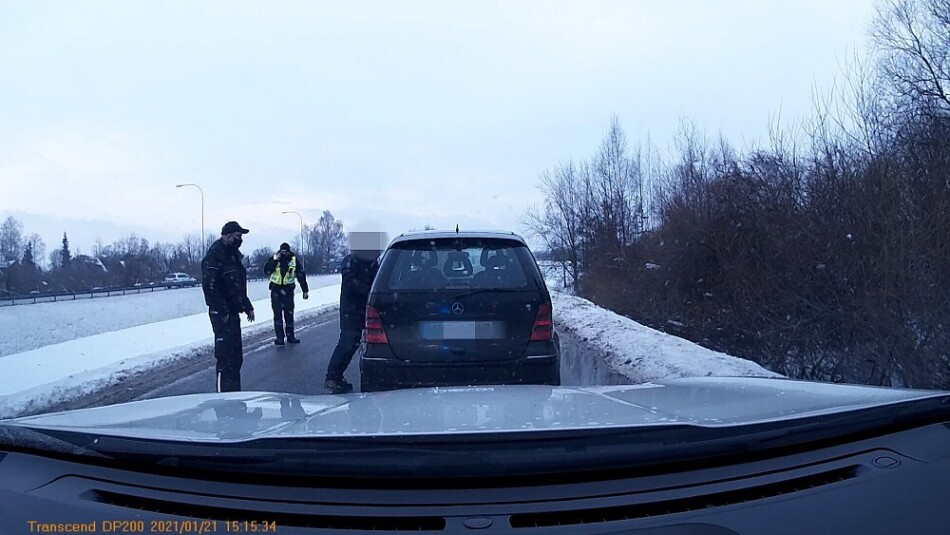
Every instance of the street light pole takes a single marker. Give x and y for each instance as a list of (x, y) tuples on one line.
[(303, 248), (203, 235)]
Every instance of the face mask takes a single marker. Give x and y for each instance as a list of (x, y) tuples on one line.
[(237, 242)]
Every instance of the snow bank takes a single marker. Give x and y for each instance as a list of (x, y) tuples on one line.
[(26, 327), (555, 276), (643, 354), (48, 375)]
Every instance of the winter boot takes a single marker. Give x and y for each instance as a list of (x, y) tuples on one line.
[(341, 386)]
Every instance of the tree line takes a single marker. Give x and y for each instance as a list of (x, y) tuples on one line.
[(133, 260), (824, 255)]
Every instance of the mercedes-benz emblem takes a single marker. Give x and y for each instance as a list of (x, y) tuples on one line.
[(457, 309)]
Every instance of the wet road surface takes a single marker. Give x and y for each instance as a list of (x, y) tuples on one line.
[(300, 369)]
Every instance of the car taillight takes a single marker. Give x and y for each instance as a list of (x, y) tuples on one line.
[(543, 329), (375, 334)]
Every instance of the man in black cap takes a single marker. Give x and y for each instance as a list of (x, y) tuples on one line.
[(284, 272), (224, 281)]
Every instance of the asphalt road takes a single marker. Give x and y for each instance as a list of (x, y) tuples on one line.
[(293, 368), (301, 369)]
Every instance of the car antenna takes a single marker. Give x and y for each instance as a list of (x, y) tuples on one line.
[(456, 228)]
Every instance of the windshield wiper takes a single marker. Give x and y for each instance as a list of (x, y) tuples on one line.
[(486, 290), (42, 440)]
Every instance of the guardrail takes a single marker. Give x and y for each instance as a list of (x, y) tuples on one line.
[(32, 299)]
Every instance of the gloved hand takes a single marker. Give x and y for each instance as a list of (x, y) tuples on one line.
[(306, 295), (250, 315)]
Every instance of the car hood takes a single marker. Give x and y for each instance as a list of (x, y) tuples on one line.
[(705, 402)]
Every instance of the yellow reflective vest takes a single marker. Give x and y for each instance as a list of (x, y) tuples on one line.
[(289, 277)]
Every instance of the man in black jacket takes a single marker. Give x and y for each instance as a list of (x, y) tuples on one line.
[(224, 281), (358, 270), (284, 271)]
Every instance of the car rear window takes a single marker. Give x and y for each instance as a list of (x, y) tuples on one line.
[(458, 263)]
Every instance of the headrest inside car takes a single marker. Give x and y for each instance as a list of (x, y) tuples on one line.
[(457, 265), (497, 261)]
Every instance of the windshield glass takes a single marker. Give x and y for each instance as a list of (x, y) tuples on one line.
[(452, 263), (229, 225)]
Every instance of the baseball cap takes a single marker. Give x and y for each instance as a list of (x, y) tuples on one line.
[(231, 227)]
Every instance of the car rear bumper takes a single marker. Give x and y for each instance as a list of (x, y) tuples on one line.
[(381, 372)]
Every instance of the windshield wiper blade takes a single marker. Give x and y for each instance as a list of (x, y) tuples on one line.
[(43, 440), (486, 290)]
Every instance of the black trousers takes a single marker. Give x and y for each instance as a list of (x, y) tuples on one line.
[(282, 303), (343, 353), (228, 350)]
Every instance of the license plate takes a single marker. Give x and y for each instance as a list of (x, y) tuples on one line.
[(462, 330)]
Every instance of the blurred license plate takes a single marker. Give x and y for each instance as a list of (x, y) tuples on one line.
[(461, 330)]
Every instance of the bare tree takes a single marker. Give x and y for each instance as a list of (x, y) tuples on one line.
[(11, 240), (326, 239), (56, 259), (559, 224), (914, 39), (826, 261), (189, 252), (98, 248), (38, 246)]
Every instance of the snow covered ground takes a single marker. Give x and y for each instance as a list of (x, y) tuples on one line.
[(555, 275), (643, 354), (55, 373), (44, 376), (638, 352), (26, 327)]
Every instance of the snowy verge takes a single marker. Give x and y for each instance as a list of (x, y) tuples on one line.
[(28, 327), (56, 373), (643, 354)]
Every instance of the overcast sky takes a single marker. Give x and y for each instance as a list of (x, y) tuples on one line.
[(406, 113)]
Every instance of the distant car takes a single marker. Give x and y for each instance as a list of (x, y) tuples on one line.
[(458, 309), (180, 280)]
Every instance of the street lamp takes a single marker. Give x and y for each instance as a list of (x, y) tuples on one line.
[(303, 248), (203, 235)]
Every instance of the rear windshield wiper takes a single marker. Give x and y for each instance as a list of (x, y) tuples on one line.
[(494, 290)]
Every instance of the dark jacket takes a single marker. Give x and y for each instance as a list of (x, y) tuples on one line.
[(224, 279), (358, 278), (282, 261)]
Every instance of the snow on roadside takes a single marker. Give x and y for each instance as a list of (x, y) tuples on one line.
[(49, 375), (555, 276), (26, 327), (33, 380), (643, 354)]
